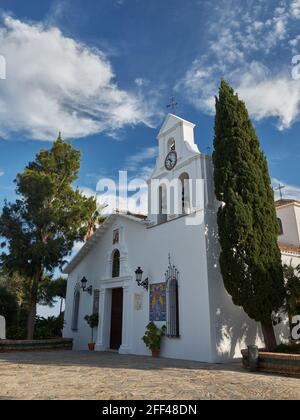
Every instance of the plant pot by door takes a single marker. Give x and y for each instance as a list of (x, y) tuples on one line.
[(155, 354), (92, 346)]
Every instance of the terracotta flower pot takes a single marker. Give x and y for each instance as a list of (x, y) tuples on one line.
[(155, 353), (92, 346)]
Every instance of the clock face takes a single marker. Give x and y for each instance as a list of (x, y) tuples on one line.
[(171, 160)]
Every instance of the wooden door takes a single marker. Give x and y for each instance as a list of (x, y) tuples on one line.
[(116, 319)]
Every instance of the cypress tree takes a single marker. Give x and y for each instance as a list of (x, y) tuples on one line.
[(250, 258)]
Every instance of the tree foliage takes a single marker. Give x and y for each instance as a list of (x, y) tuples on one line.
[(292, 286), (40, 228), (8, 305), (248, 230), (51, 289)]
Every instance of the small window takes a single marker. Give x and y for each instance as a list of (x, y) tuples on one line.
[(76, 304), (185, 193), (116, 264), (116, 236), (162, 215), (280, 227), (171, 145)]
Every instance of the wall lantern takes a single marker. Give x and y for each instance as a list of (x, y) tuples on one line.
[(139, 279), (84, 286)]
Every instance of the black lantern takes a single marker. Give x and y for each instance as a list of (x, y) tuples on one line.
[(139, 279), (84, 286)]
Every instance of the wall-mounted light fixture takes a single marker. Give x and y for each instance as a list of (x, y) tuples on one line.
[(84, 287), (139, 279)]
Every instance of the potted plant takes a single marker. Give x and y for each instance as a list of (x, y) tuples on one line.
[(93, 322), (153, 338)]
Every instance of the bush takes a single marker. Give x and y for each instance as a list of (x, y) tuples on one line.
[(93, 322), (47, 328), (291, 348), (154, 336), (8, 306)]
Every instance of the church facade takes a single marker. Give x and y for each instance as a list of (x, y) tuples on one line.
[(175, 252)]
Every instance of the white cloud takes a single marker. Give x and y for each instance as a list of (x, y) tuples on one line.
[(241, 39), (295, 9), (270, 96), (135, 162), (140, 82), (57, 83), (2, 173), (110, 201), (290, 191)]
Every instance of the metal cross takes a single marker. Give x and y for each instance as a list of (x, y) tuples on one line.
[(280, 188), (173, 104)]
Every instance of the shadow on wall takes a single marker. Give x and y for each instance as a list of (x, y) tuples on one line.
[(233, 329)]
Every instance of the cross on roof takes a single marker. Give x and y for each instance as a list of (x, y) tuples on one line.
[(173, 104), (280, 188)]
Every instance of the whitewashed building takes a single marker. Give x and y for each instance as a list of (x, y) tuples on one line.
[(178, 254), (288, 213)]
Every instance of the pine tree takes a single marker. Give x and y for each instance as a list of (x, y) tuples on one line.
[(250, 259), (40, 228)]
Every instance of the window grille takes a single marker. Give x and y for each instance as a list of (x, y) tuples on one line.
[(76, 305), (172, 275), (116, 264), (96, 302)]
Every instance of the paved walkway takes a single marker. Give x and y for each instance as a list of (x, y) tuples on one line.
[(67, 375)]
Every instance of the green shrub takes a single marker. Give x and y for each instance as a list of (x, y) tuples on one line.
[(154, 336), (291, 348), (8, 305), (47, 328), (93, 322)]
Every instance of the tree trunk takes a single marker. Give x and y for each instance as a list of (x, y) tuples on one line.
[(269, 336), (32, 306)]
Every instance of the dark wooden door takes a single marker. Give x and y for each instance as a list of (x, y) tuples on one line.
[(116, 319)]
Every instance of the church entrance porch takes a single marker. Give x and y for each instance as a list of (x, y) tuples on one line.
[(115, 315), (116, 319)]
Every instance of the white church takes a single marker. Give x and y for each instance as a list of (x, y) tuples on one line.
[(164, 268)]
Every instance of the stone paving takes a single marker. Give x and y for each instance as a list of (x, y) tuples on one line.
[(70, 375)]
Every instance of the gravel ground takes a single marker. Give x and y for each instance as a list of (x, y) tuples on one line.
[(98, 376)]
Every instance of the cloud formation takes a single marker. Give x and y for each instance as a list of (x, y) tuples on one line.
[(57, 83), (290, 191), (243, 41)]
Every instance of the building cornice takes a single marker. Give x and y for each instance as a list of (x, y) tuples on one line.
[(289, 249)]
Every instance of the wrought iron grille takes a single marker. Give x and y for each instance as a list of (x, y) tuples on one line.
[(172, 275), (76, 303)]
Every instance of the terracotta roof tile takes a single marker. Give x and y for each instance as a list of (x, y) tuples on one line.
[(289, 248), (285, 201)]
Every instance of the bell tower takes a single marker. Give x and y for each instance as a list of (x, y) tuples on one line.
[(177, 134), (178, 158)]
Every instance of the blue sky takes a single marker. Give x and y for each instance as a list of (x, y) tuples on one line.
[(103, 72)]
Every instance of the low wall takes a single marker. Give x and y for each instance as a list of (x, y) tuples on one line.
[(287, 364), (35, 345)]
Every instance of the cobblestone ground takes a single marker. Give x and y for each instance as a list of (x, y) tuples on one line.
[(68, 375)]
